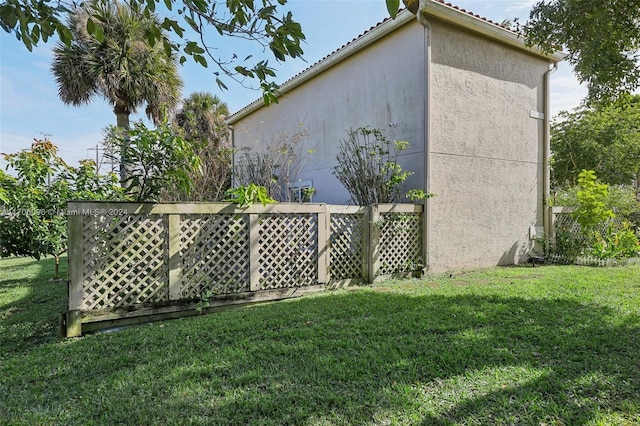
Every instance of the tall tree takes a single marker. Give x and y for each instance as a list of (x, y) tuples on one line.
[(116, 62), (202, 119), (603, 138), (260, 22), (602, 38)]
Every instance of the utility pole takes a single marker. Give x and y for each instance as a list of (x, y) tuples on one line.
[(100, 158), (97, 150)]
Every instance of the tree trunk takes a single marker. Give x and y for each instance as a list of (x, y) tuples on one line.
[(122, 121), (56, 274)]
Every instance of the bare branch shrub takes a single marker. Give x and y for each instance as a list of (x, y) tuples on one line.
[(212, 183), (275, 167)]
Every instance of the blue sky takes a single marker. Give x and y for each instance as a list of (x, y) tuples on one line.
[(29, 104)]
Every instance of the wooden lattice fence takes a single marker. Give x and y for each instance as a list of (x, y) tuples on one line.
[(567, 237), (132, 262)]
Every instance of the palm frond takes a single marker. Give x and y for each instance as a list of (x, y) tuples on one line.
[(122, 67)]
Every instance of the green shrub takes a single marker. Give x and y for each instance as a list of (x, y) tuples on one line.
[(620, 199), (616, 242), (33, 204), (592, 209), (367, 165), (246, 195), (596, 205)]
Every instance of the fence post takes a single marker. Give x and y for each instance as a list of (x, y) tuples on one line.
[(553, 216), (76, 265), (175, 262), (425, 236), (365, 244), (550, 233), (324, 233), (373, 243), (254, 252)]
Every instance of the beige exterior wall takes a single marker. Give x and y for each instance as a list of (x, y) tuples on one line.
[(486, 150), (378, 85)]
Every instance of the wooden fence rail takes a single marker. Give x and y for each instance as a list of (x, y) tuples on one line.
[(136, 262)]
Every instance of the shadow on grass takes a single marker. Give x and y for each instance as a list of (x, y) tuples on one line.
[(30, 303), (361, 357)]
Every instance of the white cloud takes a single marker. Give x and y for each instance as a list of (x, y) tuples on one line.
[(566, 92), (517, 6)]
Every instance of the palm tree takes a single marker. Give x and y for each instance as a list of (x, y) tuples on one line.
[(120, 65), (202, 119)]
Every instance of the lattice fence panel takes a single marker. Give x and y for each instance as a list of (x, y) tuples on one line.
[(288, 253), (125, 260), (566, 224), (400, 243), (571, 244), (347, 246), (215, 254)]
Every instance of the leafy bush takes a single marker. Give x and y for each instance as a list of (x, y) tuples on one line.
[(246, 195), (155, 159), (600, 235), (34, 203), (568, 245), (616, 242), (621, 200), (592, 195)]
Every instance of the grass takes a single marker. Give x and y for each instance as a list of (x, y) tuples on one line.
[(531, 346)]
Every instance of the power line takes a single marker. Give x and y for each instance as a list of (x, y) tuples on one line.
[(21, 145)]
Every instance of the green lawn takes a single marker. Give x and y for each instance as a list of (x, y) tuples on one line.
[(555, 345)]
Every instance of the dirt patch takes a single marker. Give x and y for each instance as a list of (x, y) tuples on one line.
[(381, 289), (13, 311)]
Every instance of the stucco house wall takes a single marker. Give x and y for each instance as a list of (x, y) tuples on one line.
[(369, 88), (471, 105), (486, 149)]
